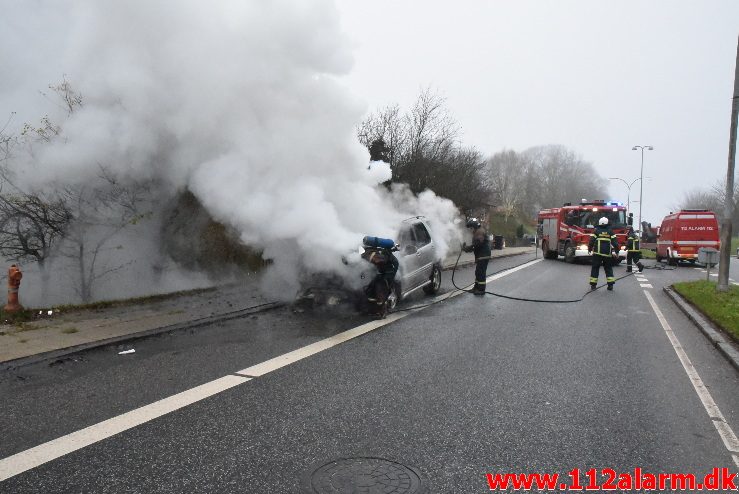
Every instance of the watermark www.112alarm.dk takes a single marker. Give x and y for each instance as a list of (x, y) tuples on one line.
[(608, 479)]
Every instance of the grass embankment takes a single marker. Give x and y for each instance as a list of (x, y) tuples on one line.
[(721, 308), (509, 228), (148, 299), (734, 244), (27, 315)]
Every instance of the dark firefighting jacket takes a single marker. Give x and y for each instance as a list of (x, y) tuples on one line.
[(632, 243), (480, 244), (603, 242), (386, 263)]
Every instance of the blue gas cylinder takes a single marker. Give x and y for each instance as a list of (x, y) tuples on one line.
[(382, 243)]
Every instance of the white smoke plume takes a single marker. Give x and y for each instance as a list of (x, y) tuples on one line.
[(238, 101)]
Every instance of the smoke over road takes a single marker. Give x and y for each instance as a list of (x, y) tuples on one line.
[(236, 101)]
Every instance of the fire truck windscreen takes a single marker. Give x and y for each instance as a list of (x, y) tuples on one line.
[(589, 219)]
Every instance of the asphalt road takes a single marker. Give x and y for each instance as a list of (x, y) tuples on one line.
[(468, 386)]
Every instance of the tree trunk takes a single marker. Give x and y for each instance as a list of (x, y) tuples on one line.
[(84, 288), (45, 276)]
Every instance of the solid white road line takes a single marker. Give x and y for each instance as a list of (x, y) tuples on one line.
[(319, 346), (32, 458), (714, 413)]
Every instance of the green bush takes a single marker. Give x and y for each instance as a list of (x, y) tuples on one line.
[(513, 227)]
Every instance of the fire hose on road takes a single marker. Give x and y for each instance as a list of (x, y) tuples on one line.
[(524, 299), (509, 297)]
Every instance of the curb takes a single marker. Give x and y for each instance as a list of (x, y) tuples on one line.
[(724, 346), (117, 340), (463, 264)]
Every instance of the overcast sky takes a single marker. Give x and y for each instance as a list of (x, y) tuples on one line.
[(598, 77)]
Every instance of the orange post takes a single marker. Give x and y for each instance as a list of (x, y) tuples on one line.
[(14, 283)]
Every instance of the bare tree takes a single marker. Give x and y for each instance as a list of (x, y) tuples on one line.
[(468, 186), (432, 131), (31, 223), (101, 209), (418, 142), (507, 174), (711, 198), (384, 125), (30, 228), (73, 220), (564, 176)]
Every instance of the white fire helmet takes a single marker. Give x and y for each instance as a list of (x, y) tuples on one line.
[(603, 221)]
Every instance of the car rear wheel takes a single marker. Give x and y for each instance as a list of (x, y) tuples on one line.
[(435, 284)]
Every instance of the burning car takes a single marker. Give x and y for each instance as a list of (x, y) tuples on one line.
[(419, 269)]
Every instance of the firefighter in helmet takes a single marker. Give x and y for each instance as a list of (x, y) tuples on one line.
[(380, 288), (633, 251), (603, 246), (481, 247)]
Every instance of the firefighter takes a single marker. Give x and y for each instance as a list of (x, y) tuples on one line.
[(633, 251), (381, 286), (603, 246), (481, 247)]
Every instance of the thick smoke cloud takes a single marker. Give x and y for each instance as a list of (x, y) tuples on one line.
[(238, 101)]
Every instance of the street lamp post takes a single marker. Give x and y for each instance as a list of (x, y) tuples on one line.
[(641, 177), (628, 191)]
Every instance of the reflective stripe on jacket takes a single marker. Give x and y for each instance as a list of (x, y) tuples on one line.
[(603, 242), (632, 244)]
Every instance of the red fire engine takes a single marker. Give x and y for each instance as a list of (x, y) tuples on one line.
[(566, 231), (682, 234)]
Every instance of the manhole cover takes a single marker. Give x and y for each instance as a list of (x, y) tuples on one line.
[(364, 476)]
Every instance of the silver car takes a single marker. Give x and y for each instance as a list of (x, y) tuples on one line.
[(420, 266)]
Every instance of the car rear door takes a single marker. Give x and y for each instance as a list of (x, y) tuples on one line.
[(426, 253), (407, 258)]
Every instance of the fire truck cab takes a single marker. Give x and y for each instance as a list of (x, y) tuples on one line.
[(684, 232), (566, 231)]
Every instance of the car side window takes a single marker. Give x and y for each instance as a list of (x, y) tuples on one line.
[(406, 238), (422, 235)]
